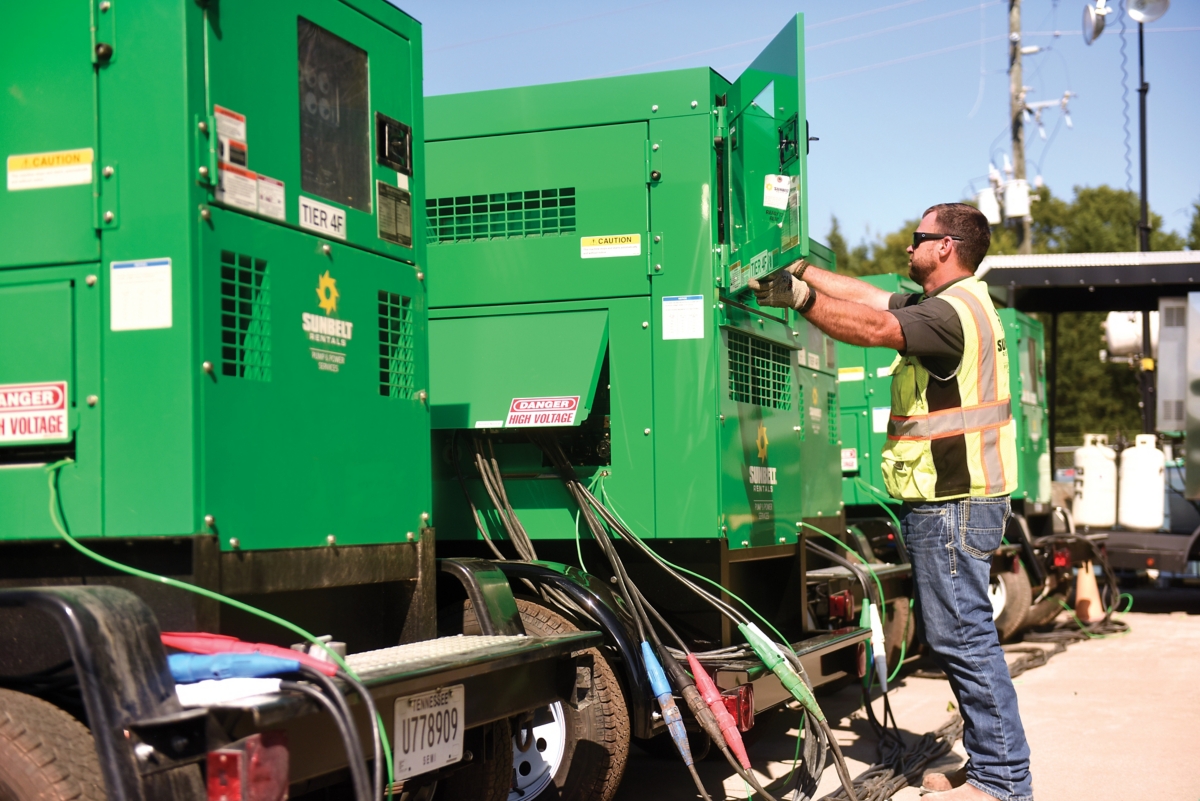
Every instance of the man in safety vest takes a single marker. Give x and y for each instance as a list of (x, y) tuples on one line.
[(950, 456)]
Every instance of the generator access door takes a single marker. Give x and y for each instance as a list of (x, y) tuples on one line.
[(767, 144), (312, 121)]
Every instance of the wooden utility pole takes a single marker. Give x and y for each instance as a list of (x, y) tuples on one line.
[(1016, 89)]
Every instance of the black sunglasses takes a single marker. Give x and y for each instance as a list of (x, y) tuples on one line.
[(924, 236)]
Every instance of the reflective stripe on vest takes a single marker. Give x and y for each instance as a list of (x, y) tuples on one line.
[(968, 447)]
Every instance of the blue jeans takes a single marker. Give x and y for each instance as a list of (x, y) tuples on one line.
[(950, 545)]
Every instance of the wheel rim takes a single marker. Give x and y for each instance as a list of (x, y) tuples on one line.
[(998, 595), (534, 769)]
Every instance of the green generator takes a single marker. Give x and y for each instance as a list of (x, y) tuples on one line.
[(864, 389), (227, 342), (591, 244)]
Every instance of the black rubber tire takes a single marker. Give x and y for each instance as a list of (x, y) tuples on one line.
[(483, 779), (1043, 612), (597, 743), (900, 630), (1018, 597), (45, 754)]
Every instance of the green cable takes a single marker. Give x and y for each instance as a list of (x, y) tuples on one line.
[(52, 473), (875, 491), (866, 564)]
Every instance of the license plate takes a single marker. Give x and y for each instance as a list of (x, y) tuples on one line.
[(429, 731)]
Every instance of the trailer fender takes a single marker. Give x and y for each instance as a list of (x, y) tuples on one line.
[(489, 592), (603, 608)]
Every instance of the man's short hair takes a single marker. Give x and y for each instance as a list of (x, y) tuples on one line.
[(959, 219)]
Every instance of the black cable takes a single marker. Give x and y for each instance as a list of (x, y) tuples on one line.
[(358, 770), (373, 713), (334, 693), (869, 590), (462, 482)]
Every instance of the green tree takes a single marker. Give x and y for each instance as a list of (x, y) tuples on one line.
[(850, 261), (1193, 241)]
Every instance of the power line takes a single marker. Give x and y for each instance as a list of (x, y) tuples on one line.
[(902, 26), (906, 59)]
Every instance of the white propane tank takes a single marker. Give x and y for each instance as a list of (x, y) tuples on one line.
[(1123, 333), (1095, 502), (1142, 485)]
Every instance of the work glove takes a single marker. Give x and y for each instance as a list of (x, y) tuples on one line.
[(781, 290)]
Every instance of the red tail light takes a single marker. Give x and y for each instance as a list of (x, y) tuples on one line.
[(252, 769), (1062, 558), (740, 703)]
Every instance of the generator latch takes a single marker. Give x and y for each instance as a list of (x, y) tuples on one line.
[(393, 144)]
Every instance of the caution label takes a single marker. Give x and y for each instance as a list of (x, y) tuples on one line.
[(535, 412), (607, 247), (46, 170), (849, 460), (851, 374), (237, 186), (32, 412)]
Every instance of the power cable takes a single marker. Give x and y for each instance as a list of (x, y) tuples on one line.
[(358, 768)]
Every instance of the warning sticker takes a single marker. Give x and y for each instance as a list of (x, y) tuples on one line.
[(317, 216), (46, 170), (533, 412), (775, 191), (140, 294), (271, 198), (736, 277), (607, 247), (814, 361), (395, 214), (849, 460), (230, 124), (30, 412), (851, 374), (683, 317), (237, 186)]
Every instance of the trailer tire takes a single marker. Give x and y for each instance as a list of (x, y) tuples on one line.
[(483, 779), (900, 631), (45, 754), (596, 737), (1045, 611), (1011, 597)]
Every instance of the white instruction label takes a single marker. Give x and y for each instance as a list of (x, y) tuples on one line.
[(851, 374), (683, 317), (271, 198), (230, 124), (606, 247), (849, 460), (317, 216), (30, 412), (775, 191), (47, 170), (814, 361), (879, 419), (237, 187), (140, 294), (883, 372)]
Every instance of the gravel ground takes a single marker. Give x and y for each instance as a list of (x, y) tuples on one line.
[(1109, 719)]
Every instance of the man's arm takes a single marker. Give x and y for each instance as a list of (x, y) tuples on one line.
[(842, 287), (855, 323)]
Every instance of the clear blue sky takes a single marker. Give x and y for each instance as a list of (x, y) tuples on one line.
[(908, 97)]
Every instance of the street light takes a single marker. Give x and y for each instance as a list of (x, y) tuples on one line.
[(1141, 12)]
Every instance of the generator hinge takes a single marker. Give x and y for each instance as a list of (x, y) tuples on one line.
[(106, 205), (204, 130), (657, 262), (104, 37)]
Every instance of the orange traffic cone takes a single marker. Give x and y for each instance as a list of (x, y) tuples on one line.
[(1088, 607)]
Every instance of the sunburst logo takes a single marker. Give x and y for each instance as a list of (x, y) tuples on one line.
[(762, 442), (327, 293)]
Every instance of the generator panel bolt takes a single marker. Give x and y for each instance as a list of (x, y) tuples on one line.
[(235, 543), (658, 268), (207, 367), (105, 6), (109, 216), (424, 517), (90, 280), (203, 126), (92, 400), (422, 395), (104, 51), (409, 536), (209, 520), (331, 540), (657, 238), (326, 249), (645, 324), (646, 432), (745, 543), (420, 276), (654, 146), (798, 524), (654, 108), (782, 540), (694, 104), (655, 175), (724, 529), (205, 214), (203, 172), (108, 171)]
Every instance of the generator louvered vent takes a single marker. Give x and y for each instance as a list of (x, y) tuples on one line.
[(803, 427), (502, 215), (760, 372), (831, 416), (396, 364), (1175, 316), (245, 316)]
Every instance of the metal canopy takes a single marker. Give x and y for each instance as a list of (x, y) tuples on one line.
[(1057, 282)]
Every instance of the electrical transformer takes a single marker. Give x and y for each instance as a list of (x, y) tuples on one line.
[(591, 244), (212, 296)]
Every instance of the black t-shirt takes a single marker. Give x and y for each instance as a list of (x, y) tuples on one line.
[(932, 331)]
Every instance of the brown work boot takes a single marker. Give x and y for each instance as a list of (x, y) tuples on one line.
[(966, 792), (941, 782)]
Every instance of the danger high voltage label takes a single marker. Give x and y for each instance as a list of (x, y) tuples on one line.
[(32, 412), (535, 412)]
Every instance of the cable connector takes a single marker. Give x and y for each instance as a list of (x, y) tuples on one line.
[(212, 692), (725, 721), (201, 642), (878, 646), (774, 659), (191, 668), (666, 702)]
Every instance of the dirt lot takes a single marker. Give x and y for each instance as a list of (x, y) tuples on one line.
[(1109, 719)]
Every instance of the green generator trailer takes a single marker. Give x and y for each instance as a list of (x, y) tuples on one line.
[(1041, 576), (590, 245), (217, 354)]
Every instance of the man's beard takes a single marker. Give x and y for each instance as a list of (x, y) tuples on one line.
[(919, 272)]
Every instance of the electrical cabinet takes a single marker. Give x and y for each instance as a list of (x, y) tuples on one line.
[(215, 306)]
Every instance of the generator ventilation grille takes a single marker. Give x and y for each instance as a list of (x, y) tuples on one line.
[(245, 317), (502, 215), (760, 372), (397, 367), (831, 416)]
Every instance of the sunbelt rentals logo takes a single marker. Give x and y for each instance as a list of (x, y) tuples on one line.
[(328, 334)]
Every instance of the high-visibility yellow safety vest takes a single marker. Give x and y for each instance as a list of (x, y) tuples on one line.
[(954, 436)]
